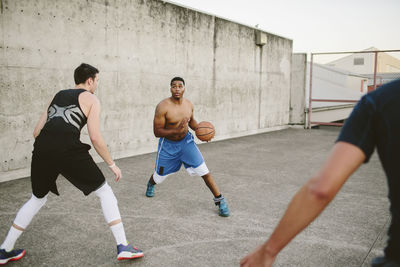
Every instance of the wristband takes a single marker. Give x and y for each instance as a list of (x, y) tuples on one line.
[(112, 165)]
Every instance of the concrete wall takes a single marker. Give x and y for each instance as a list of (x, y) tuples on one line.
[(298, 88), (138, 46)]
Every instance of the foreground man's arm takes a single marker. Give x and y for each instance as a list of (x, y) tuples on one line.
[(309, 202)]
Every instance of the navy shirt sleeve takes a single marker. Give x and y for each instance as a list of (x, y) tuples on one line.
[(359, 128)]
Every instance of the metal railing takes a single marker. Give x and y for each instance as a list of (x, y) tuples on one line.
[(310, 122)]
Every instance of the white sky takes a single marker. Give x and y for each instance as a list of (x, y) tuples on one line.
[(315, 25)]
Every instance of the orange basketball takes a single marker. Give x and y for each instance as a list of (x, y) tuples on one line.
[(205, 131)]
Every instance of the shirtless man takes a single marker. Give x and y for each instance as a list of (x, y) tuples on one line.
[(172, 119), (58, 150)]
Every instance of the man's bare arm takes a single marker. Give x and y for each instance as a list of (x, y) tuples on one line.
[(93, 124), (193, 123), (309, 202)]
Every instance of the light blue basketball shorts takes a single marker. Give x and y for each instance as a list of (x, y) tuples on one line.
[(171, 155)]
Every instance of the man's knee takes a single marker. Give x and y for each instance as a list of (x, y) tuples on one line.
[(41, 201), (109, 203), (158, 179), (206, 176), (29, 210), (105, 193)]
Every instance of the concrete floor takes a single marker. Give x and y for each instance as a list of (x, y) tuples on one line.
[(258, 175)]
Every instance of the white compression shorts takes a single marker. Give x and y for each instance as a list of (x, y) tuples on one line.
[(198, 171)]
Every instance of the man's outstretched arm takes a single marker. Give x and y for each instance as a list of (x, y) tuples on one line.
[(93, 125), (309, 202)]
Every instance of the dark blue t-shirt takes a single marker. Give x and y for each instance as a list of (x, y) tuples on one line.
[(375, 122)]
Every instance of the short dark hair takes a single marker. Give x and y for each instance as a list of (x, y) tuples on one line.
[(177, 79), (84, 72)]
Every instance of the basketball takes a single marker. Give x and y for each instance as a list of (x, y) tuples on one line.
[(205, 131)]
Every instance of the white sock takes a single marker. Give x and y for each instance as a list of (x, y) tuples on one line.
[(217, 200), (119, 233), (11, 238)]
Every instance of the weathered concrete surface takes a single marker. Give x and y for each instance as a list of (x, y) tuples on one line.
[(138, 45), (258, 174), (298, 88)]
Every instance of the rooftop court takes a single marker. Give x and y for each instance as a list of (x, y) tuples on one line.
[(258, 175)]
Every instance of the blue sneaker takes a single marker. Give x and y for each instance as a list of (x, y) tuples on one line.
[(12, 255), (128, 252), (223, 208), (150, 189)]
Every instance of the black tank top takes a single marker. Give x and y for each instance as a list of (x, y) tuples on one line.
[(65, 120), (64, 113)]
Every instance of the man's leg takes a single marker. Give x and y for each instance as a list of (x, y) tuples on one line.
[(151, 180), (392, 257), (211, 185), (151, 183), (154, 180), (391, 252), (109, 205), (150, 187), (21, 222), (219, 199), (191, 157)]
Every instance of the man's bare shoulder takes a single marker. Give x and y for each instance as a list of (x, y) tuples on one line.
[(163, 105), (88, 98), (165, 101), (187, 102), (88, 102)]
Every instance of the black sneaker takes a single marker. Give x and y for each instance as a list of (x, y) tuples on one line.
[(13, 255), (384, 262)]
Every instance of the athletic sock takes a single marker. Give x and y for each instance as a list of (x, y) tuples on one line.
[(218, 199), (119, 233), (11, 238)]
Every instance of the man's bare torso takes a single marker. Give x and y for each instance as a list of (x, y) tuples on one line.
[(175, 114)]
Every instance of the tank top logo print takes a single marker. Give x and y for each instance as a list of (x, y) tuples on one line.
[(71, 114)]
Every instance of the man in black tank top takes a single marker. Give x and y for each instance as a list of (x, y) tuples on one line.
[(61, 133), (58, 150)]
